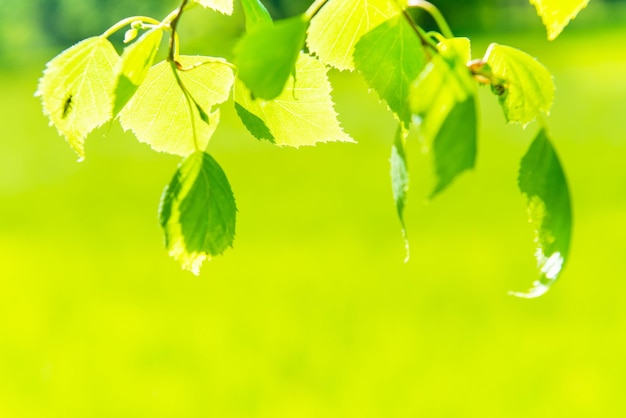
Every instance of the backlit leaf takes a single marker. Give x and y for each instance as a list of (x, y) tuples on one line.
[(256, 14), (159, 114), (302, 114), (542, 180), (527, 89), (222, 6), (266, 56), (556, 14), (390, 57), (134, 65), (198, 212), (339, 25), (77, 89), (400, 181), (443, 101)]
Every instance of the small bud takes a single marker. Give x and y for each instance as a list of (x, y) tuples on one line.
[(130, 35)]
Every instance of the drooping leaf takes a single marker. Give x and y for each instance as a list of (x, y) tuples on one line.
[(256, 15), (303, 114), (159, 113), (443, 101), (528, 88), (390, 57), (254, 124), (198, 212), (400, 181), (222, 6), (454, 147), (556, 14), (134, 65), (267, 55), (340, 24), (542, 180), (77, 89)]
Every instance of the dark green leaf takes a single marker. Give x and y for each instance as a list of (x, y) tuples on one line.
[(255, 125), (542, 180), (454, 147), (266, 57), (400, 180), (197, 212), (256, 15), (390, 57)]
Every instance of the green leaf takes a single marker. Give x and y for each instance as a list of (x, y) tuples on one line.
[(222, 6), (267, 55), (340, 24), (528, 88), (198, 212), (390, 57), (556, 14), (254, 124), (303, 113), (256, 15), (76, 89), (443, 101), (400, 181), (159, 113), (134, 65), (454, 147), (542, 180)]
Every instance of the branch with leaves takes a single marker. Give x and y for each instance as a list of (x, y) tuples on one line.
[(282, 94)]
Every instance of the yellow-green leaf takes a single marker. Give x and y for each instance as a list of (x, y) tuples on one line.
[(556, 14), (222, 6), (197, 212), (303, 114), (159, 113), (134, 65), (340, 24), (527, 88), (77, 89)]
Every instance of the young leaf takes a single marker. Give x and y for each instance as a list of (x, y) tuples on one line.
[(556, 14), (198, 212), (134, 65), (542, 180), (390, 57), (338, 26), (454, 147), (159, 113), (222, 6), (443, 100), (528, 87), (400, 181), (267, 55), (256, 15), (254, 124), (77, 89), (303, 113)]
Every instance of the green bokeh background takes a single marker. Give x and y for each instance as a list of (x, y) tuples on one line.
[(313, 313)]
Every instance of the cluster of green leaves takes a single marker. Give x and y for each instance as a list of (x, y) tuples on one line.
[(282, 95)]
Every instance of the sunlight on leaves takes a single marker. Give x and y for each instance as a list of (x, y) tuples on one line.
[(198, 212), (77, 87), (527, 88), (256, 15), (134, 66), (266, 56), (303, 114), (159, 114), (556, 14), (542, 180), (222, 6), (338, 26), (400, 182), (390, 57)]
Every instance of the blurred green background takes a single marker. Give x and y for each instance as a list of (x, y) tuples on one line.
[(313, 313)]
